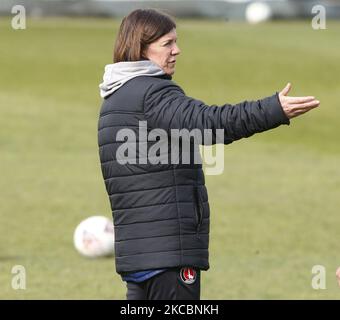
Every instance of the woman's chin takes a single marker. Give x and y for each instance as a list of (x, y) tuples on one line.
[(170, 72)]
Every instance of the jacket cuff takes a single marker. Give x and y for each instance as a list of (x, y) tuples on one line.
[(274, 111)]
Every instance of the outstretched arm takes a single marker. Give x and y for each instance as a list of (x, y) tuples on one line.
[(167, 107)]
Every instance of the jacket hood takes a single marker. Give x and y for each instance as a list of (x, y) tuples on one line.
[(117, 74)]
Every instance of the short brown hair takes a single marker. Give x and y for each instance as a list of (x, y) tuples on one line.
[(137, 30)]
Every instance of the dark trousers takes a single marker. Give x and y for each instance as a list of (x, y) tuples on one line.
[(168, 285)]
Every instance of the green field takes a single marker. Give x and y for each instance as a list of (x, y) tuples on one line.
[(274, 210)]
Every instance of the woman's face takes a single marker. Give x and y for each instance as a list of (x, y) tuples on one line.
[(164, 51)]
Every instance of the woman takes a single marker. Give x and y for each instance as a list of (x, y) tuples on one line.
[(160, 209)]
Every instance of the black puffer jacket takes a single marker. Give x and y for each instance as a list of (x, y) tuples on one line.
[(161, 211)]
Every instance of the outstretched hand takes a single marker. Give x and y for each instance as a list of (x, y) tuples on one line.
[(295, 106)]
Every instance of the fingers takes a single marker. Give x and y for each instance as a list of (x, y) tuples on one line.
[(309, 104), (305, 106), (295, 100), (286, 89), (302, 108), (295, 106)]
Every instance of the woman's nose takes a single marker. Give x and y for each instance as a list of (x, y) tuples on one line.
[(176, 50)]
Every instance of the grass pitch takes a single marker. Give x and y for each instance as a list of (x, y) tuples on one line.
[(274, 210)]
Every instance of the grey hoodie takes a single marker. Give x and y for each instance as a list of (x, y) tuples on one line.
[(117, 74)]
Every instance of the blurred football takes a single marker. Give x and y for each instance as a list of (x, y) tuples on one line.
[(94, 237)]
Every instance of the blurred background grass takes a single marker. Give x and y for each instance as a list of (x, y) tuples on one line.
[(274, 210)]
